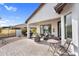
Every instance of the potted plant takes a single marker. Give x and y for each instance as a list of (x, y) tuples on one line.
[(37, 38)]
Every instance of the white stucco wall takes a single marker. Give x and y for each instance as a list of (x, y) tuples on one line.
[(67, 9), (74, 9), (45, 13), (75, 27), (53, 25)]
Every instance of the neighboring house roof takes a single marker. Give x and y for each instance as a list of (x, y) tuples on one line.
[(59, 7), (41, 5), (8, 27), (21, 26)]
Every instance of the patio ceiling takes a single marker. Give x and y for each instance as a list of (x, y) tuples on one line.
[(44, 21)]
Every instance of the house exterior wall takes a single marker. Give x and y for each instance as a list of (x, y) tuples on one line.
[(75, 28), (45, 13), (74, 9), (53, 24), (67, 9)]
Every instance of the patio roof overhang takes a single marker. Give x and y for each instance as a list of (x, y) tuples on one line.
[(59, 7), (43, 21)]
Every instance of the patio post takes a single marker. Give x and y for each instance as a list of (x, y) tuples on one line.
[(38, 29), (62, 30), (28, 31)]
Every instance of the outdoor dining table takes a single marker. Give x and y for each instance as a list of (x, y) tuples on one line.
[(53, 45)]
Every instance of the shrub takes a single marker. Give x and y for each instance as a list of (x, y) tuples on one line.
[(24, 32)]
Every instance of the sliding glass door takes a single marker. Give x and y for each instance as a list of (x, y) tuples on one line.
[(68, 26)]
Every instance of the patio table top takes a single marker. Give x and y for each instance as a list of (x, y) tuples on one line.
[(52, 41)]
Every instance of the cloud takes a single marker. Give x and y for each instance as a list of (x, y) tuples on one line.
[(9, 8), (5, 22)]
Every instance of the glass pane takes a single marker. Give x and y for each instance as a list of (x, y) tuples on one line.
[(68, 26), (45, 29)]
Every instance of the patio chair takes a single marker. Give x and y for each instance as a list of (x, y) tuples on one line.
[(65, 48), (42, 35), (46, 37)]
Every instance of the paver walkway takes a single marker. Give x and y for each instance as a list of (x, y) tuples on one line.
[(25, 47)]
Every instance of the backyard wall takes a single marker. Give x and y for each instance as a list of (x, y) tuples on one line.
[(6, 32)]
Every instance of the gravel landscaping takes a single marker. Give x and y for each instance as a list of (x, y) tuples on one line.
[(4, 41)]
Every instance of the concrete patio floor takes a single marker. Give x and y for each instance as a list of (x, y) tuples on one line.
[(25, 47)]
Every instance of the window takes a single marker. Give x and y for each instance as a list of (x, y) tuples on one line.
[(45, 29), (68, 26)]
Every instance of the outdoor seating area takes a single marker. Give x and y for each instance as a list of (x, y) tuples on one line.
[(42, 48), (54, 44), (61, 50), (38, 37)]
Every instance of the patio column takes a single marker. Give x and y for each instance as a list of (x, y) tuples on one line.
[(38, 29), (62, 30), (28, 31), (75, 28), (52, 29)]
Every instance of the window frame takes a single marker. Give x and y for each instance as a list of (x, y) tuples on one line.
[(43, 28), (66, 26)]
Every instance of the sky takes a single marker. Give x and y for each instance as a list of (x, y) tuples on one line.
[(16, 13)]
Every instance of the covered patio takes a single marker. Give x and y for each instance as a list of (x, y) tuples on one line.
[(26, 47), (50, 26)]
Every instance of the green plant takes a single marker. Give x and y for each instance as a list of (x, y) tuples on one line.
[(33, 30), (24, 31)]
